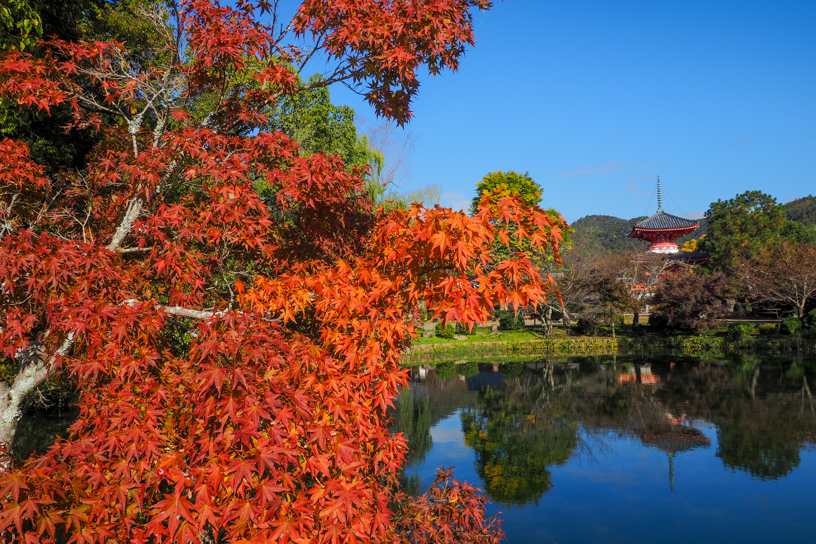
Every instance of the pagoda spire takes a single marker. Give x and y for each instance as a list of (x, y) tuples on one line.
[(659, 196)]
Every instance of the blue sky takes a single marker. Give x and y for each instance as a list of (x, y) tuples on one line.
[(597, 98)]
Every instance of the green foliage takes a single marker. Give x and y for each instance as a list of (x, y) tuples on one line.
[(739, 331), (508, 184), (20, 25), (798, 232), (810, 333), (513, 370), (790, 325), (445, 330), (445, 371), (509, 321), (604, 234), (467, 369), (319, 126), (811, 318), (464, 330), (741, 227), (768, 330)]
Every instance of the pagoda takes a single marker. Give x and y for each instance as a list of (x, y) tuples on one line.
[(662, 229)]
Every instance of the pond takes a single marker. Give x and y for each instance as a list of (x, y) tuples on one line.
[(616, 450)]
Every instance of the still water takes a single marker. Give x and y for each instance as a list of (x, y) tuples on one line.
[(608, 450)]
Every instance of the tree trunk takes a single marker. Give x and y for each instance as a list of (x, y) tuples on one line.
[(548, 322), (636, 319), (613, 326), (34, 370), (11, 398)]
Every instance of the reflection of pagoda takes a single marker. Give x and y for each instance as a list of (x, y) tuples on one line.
[(640, 374), (662, 229), (673, 439)]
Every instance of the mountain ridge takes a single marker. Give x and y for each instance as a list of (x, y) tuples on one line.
[(599, 234)]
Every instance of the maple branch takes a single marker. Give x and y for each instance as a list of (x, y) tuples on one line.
[(133, 249), (135, 207), (181, 311)]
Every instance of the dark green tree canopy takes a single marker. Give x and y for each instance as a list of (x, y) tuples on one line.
[(739, 227)]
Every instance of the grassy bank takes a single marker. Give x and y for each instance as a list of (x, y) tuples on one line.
[(531, 342)]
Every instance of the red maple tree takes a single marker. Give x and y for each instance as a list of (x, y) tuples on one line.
[(233, 311)]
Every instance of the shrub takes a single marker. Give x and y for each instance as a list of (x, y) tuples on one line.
[(586, 327), (809, 333), (739, 331), (509, 321), (463, 330), (768, 330), (445, 330), (790, 325), (811, 318), (658, 321)]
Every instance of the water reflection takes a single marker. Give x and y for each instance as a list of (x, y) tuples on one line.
[(523, 419)]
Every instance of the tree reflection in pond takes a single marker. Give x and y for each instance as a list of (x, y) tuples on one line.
[(517, 437)]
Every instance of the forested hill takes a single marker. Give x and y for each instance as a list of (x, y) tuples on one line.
[(598, 234), (604, 233), (802, 210)]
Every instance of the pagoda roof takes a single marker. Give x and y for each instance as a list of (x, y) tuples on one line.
[(662, 220)]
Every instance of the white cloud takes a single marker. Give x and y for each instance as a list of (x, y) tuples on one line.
[(610, 166), (632, 188), (455, 200)]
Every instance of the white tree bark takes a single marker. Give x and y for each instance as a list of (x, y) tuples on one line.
[(36, 368)]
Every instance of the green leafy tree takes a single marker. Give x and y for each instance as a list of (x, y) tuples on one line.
[(741, 227), (20, 25), (798, 233), (500, 184), (319, 126), (508, 184)]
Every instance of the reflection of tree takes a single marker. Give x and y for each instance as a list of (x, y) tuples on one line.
[(516, 439), (765, 451), (759, 409), (413, 419), (422, 405)]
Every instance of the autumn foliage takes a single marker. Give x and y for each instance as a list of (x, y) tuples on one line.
[(233, 311)]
